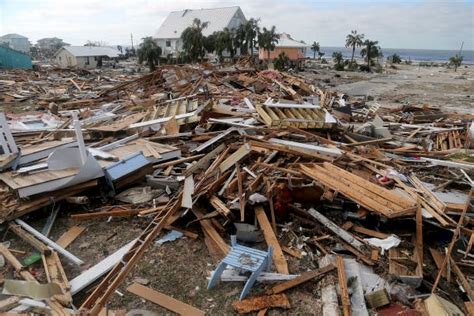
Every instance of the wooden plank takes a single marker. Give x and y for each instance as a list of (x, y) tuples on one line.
[(29, 238), (209, 229), (241, 192), (344, 235), (257, 303), (453, 240), (278, 257), (104, 214), (304, 277), (419, 240), (220, 206), (164, 300), (69, 236), (55, 274), (341, 273), (365, 231), (235, 157), (438, 259)]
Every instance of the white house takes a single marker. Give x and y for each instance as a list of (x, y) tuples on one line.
[(168, 36), (17, 42), (84, 56)]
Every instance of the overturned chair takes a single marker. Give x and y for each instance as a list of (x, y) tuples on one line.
[(243, 258)]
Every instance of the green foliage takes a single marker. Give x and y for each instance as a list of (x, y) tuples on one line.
[(267, 40), (315, 48), (370, 52), (394, 59), (149, 52), (193, 40), (282, 62), (251, 33), (224, 41), (456, 61), (209, 43), (338, 61), (352, 40)]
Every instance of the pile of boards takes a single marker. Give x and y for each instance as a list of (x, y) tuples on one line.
[(204, 150)]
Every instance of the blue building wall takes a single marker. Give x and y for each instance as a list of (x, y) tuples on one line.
[(10, 58)]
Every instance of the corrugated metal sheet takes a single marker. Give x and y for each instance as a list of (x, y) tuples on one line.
[(10, 59)]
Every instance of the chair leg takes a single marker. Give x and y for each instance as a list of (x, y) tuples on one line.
[(250, 282), (216, 274)]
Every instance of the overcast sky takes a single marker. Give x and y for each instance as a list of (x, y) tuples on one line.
[(395, 24)]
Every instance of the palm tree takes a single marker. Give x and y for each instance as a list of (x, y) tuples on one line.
[(149, 52), (337, 57), (315, 48), (370, 51), (352, 40), (456, 61), (251, 31), (193, 40), (267, 40)]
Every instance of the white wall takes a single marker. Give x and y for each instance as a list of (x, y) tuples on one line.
[(65, 59)]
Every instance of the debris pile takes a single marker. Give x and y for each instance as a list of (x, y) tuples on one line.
[(372, 204)]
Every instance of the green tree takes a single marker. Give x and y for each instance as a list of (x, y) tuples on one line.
[(267, 40), (224, 41), (370, 51), (456, 61), (315, 48), (193, 40), (251, 33), (282, 62), (149, 52), (352, 40), (240, 39), (210, 43), (394, 59), (338, 61)]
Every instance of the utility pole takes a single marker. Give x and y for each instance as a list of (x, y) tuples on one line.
[(131, 38)]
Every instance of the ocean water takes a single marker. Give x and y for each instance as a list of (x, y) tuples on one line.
[(428, 55)]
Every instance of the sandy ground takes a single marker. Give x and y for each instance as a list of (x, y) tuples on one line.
[(408, 84)]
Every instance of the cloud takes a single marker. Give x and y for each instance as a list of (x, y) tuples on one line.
[(396, 24)]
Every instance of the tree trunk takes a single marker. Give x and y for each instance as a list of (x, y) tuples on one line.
[(314, 54), (353, 52), (368, 58)]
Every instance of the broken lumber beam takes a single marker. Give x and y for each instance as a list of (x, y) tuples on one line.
[(55, 274), (35, 243), (344, 235), (164, 300), (304, 277), (341, 274), (104, 214), (271, 239), (257, 303)]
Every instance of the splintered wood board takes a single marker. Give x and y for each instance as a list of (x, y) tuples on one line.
[(69, 236), (164, 300), (278, 257)]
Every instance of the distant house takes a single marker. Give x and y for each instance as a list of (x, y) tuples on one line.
[(84, 56), (295, 50), (168, 36), (17, 42), (12, 59)]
